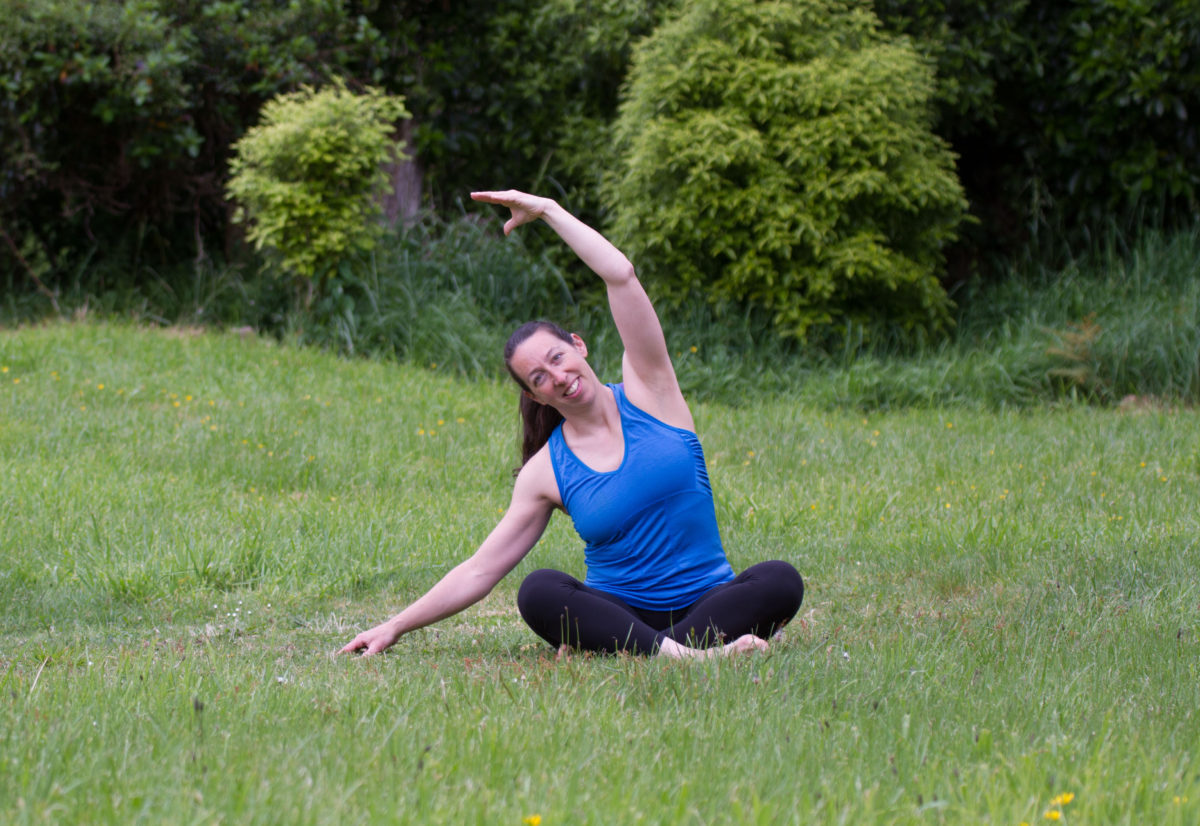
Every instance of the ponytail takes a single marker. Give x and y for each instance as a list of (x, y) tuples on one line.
[(538, 421)]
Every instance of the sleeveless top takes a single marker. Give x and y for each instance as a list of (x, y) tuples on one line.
[(650, 525)]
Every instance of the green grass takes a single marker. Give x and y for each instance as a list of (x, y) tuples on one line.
[(1001, 607)]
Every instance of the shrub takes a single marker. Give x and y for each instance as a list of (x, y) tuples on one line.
[(516, 95), (556, 91), (308, 178), (780, 155), (1118, 94)]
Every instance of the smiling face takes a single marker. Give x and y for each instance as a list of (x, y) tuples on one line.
[(554, 371)]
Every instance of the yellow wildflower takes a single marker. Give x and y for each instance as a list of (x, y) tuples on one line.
[(533, 820), (1052, 814), (1063, 799)]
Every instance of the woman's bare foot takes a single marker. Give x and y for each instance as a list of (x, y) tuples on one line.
[(746, 642)]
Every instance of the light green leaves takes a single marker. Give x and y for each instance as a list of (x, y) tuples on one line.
[(780, 155), (308, 177)]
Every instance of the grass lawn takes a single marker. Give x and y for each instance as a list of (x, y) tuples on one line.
[(1000, 624)]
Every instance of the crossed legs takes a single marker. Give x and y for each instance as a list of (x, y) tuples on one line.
[(563, 611)]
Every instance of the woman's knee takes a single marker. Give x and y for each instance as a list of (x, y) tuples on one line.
[(540, 586), (782, 579)]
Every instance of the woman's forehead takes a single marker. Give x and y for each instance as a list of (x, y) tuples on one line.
[(538, 345)]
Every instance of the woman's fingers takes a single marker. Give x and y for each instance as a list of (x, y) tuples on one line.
[(370, 642), (525, 207)]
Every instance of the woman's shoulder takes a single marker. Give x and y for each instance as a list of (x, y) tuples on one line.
[(537, 480), (668, 408)]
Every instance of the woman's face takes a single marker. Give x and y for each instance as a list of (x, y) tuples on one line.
[(555, 372)]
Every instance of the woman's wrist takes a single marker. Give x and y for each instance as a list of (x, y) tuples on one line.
[(552, 212)]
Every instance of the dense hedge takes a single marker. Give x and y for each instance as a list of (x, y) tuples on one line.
[(513, 95), (1064, 114), (116, 117)]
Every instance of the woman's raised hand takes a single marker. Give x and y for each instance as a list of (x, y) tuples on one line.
[(525, 207)]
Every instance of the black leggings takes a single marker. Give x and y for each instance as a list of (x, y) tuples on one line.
[(563, 611)]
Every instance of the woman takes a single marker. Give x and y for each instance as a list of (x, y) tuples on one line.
[(624, 462)]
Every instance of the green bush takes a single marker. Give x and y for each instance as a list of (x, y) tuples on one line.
[(779, 155), (308, 178), (1120, 91), (513, 94)]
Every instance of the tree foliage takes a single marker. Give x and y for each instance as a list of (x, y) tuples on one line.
[(513, 95), (117, 116), (780, 155)]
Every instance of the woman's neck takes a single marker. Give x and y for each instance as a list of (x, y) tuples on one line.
[(595, 435)]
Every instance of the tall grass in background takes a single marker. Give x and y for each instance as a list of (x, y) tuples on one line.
[(1119, 319)]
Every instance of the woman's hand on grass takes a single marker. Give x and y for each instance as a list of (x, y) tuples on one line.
[(375, 641)]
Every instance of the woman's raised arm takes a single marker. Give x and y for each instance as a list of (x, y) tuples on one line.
[(648, 372)]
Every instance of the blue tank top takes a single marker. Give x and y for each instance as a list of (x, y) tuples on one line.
[(650, 525)]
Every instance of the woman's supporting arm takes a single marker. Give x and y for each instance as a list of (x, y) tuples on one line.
[(473, 579)]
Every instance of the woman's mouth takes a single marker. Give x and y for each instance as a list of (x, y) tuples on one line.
[(573, 389)]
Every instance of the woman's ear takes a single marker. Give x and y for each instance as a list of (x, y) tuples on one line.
[(579, 343)]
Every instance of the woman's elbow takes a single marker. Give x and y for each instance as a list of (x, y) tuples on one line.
[(622, 273)]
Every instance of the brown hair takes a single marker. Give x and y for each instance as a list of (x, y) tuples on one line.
[(537, 420)]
